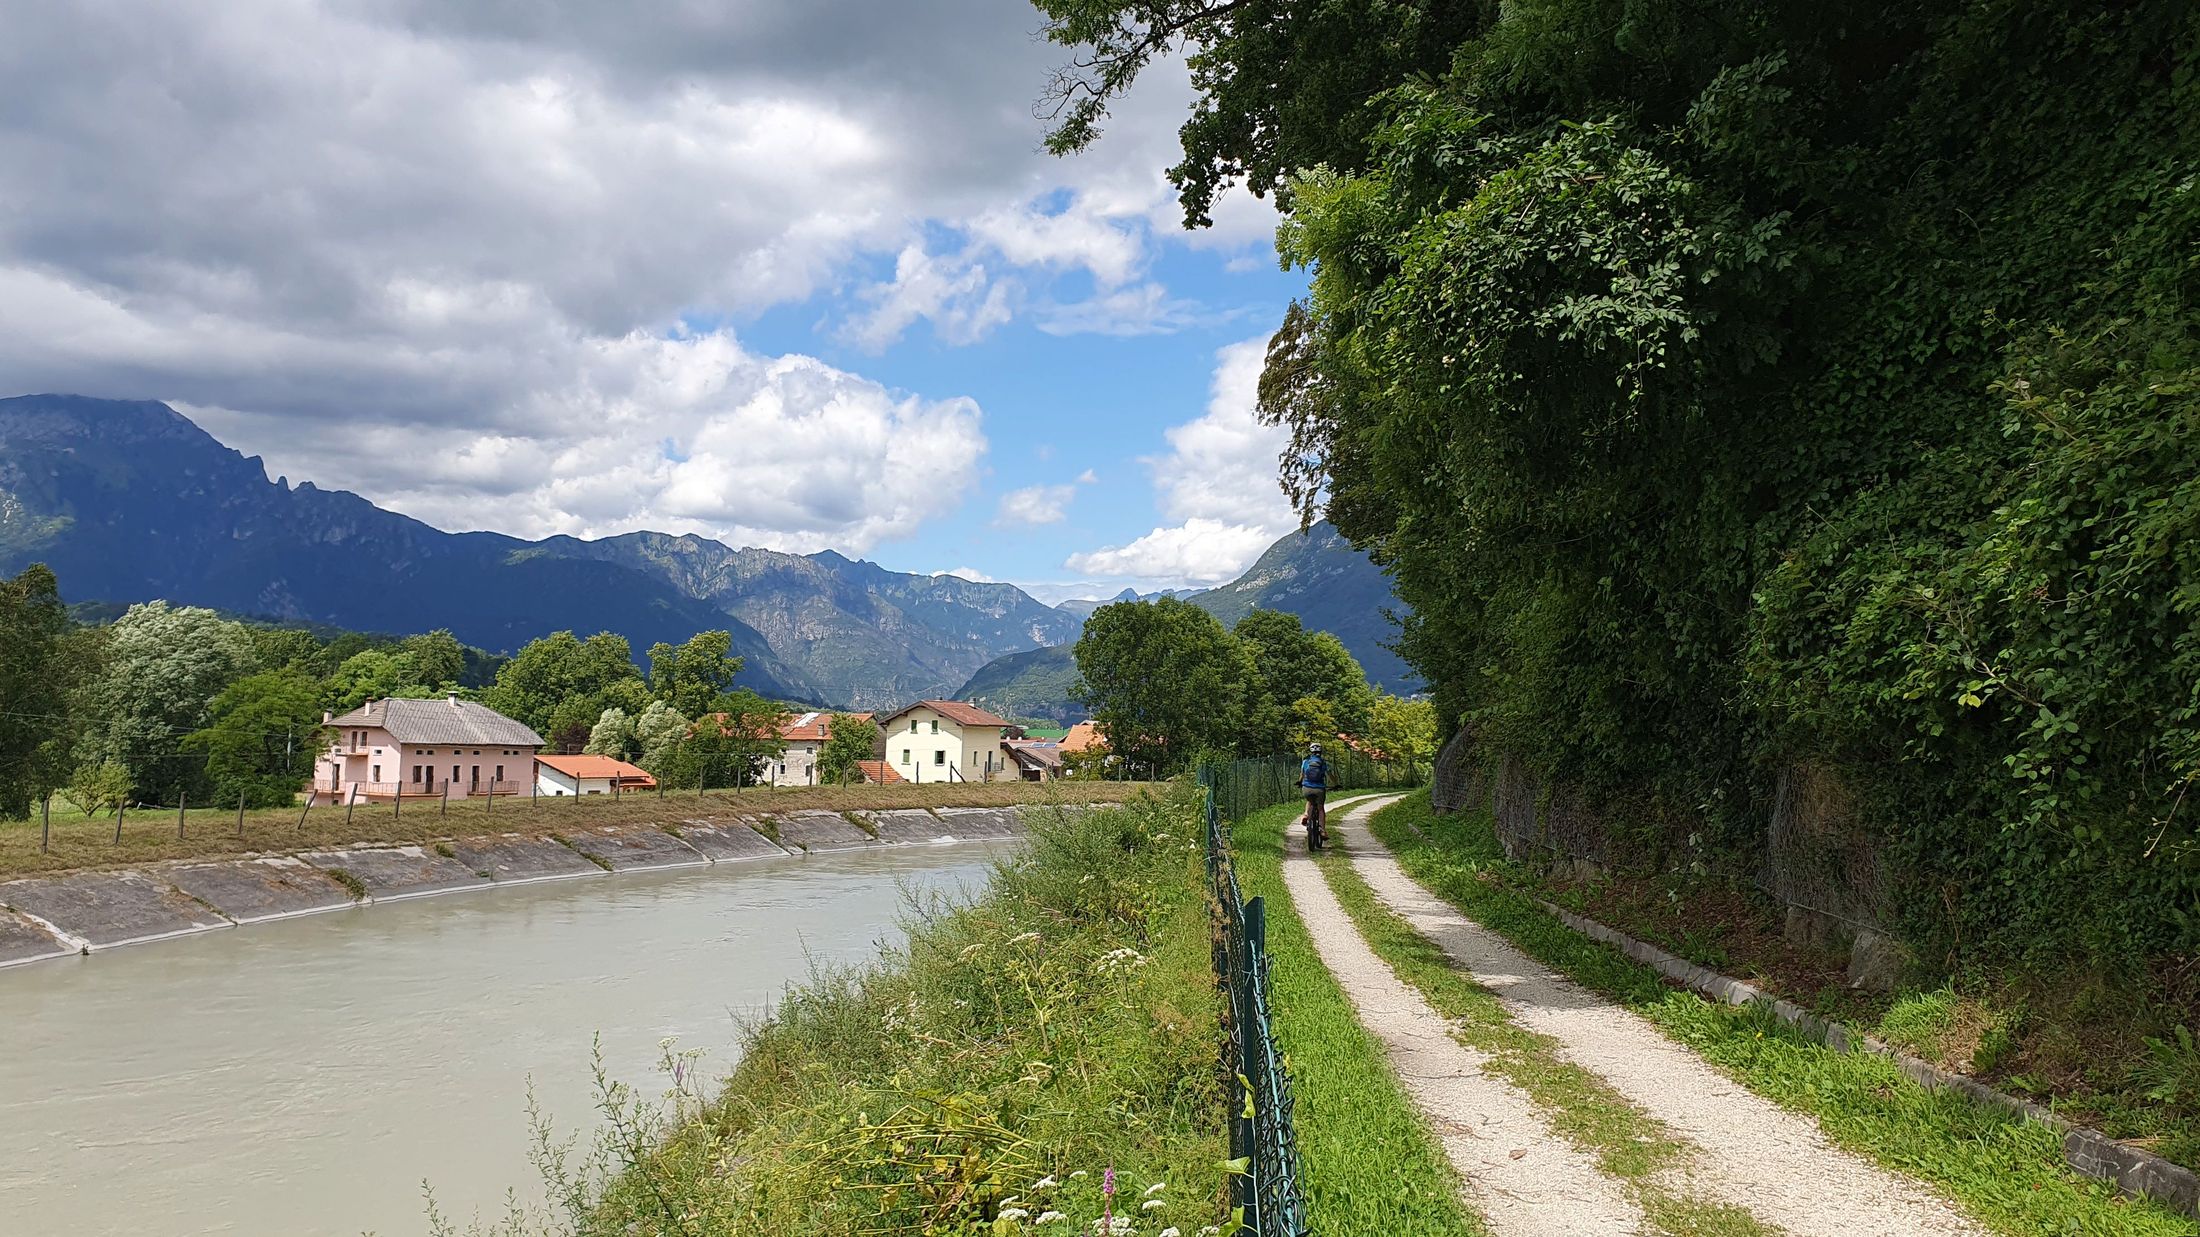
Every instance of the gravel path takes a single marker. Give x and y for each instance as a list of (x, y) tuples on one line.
[(1522, 1178), (1754, 1154)]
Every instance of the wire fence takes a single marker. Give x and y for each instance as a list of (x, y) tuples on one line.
[(1262, 1133)]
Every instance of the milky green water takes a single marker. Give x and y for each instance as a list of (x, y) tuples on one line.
[(304, 1077)]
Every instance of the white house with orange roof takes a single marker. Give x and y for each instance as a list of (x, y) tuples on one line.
[(805, 735), (948, 741), (589, 775)]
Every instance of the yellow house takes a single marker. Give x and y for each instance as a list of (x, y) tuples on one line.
[(947, 741)]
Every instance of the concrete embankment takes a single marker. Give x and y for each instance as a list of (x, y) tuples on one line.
[(86, 912)]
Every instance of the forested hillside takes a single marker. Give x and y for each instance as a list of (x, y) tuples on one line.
[(1739, 390)]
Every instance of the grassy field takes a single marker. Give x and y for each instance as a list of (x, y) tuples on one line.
[(1372, 1167), (2008, 1173), (151, 835), (1062, 1024)]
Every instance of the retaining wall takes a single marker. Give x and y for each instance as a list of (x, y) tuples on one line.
[(72, 913)]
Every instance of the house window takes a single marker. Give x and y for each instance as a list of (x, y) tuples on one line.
[(912, 725), (935, 727), (377, 773), (500, 773), (905, 755), (416, 774), (939, 757), (477, 775)]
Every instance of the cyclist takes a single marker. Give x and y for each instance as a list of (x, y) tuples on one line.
[(1314, 781)]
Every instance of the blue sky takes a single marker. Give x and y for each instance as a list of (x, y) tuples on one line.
[(792, 273)]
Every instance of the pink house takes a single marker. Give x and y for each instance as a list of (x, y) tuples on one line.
[(424, 748)]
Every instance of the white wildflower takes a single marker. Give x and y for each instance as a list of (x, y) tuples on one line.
[(1155, 1188), (1013, 1213), (1079, 1173), (971, 951), (1049, 1217), (1026, 939), (1171, 1231), (1045, 1183), (1153, 1204)]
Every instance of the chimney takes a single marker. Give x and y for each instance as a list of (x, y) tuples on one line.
[(453, 699), (327, 717)]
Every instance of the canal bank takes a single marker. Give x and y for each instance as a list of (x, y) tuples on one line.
[(49, 917)]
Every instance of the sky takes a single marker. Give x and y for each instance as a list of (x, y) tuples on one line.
[(788, 273)]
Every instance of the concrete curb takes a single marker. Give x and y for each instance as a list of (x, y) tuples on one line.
[(2089, 1152), (399, 873)]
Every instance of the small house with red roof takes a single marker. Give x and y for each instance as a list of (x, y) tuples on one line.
[(805, 735), (948, 741)]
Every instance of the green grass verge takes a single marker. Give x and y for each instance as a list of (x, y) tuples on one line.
[(1371, 1165), (1063, 1023), (2007, 1172), (1627, 1143)]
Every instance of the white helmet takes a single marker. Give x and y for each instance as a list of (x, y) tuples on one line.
[(1314, 748)]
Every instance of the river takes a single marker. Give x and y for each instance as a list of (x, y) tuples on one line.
[(304, 1077)]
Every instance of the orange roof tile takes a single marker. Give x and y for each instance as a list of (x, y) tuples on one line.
[(880, 772), (959, 712), (812, 727), (598, 766), (1083, 737)]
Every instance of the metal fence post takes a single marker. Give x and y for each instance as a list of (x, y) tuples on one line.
[(179, 814), (45, 823), (240, 813)]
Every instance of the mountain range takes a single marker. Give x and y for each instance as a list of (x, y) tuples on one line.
[(130, 501), (1316, 575)]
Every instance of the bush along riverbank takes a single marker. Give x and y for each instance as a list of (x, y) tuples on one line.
[(990, 1078)]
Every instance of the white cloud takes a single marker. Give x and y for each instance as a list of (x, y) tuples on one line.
[(971, 574), (1035, 504), (442, 254), (683, 434), (1197, 552), (1143, 309), (1219, 480)]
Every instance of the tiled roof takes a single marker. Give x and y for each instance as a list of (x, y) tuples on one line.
[(449, 720), (1083, 737), (956, 711), (597, 766), (813, 727), (1046, 754), (880, 772)]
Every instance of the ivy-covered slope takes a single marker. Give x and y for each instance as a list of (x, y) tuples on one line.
[(1732, 387)]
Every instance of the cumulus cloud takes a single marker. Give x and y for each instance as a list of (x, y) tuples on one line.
[(684, 434), (445, 254), (1040, 504), (1219, 480), (1197, 552)]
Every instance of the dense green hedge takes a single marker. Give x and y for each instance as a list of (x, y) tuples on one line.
[(1729, 386)]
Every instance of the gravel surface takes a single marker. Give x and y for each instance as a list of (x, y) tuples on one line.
[(1522, 1178), (1752, 1153)]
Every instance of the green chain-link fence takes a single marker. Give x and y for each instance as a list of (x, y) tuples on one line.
[(1261, 1131)]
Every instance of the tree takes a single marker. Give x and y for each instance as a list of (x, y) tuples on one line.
[(692, 676), (438, 659), (375, 674), (1290, 664), (848, 739), (34, 683), (560, 685), (164, 667), (1402, 730), (658, 733), (1312, 720), (263, 738), (1165, 682), (731, 745), (95, 789), (613, 735)]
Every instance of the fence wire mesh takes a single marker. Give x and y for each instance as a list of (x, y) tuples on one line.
[(1262, 1133)]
